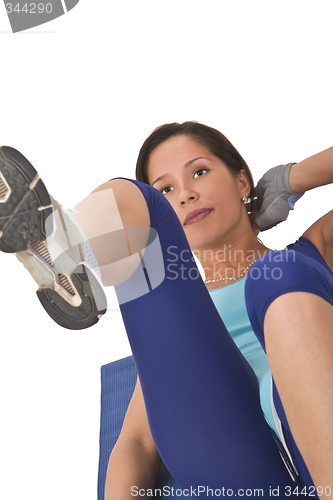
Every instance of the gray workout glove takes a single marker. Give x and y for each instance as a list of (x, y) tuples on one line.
[(275, 197)]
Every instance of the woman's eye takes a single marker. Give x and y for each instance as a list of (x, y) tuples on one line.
[(166, 190), (200, 172)]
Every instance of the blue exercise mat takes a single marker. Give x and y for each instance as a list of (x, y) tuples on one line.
[(117, 385)]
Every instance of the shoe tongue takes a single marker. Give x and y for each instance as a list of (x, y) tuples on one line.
[(66, 236)]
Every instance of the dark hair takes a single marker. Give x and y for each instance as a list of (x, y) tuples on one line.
[(209, 137)]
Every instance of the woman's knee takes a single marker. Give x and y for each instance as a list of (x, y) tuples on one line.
[(115, 221), (272, 269), (272, 275), (130, 202)]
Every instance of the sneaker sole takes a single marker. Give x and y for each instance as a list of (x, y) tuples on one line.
[(25, 204), (93, 304)]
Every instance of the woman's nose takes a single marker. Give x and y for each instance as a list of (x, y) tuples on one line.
[(187, 195)]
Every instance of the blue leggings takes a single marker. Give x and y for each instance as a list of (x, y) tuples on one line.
[(201, 395)]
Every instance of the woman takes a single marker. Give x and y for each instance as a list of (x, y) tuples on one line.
[(200, 394)]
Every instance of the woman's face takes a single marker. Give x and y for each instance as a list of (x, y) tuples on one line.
[(205, 195)]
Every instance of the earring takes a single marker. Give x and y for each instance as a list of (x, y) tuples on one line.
[(245, 199)]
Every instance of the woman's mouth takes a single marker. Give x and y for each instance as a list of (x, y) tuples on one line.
[(197, 216)]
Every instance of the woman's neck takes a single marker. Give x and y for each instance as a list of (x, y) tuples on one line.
[(227, 262)]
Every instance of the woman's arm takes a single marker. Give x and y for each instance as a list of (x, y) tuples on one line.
[(134, 461), (280, 187), (308, 174), (313, 172)]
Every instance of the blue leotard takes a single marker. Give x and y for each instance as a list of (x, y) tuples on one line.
[(201, 395)]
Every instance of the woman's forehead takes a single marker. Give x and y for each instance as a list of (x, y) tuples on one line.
[(173, 153)]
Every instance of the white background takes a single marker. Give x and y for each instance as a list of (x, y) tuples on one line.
[(78, 97)]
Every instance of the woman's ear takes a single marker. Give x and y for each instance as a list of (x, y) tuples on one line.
[(251, 206), (243, 182)]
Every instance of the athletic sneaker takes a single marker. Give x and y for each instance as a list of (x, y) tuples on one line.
[(48, 241)]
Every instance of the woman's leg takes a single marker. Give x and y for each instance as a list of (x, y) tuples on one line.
[(289, 296), (200, 394), (299, 341)]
